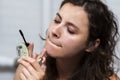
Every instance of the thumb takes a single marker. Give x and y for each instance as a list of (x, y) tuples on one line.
[(42, 56)]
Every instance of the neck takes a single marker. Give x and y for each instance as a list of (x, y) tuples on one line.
[(65, 67)]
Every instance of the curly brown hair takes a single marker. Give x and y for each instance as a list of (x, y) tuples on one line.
[(102, 25)]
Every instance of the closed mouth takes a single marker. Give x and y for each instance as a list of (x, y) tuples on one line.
[(53, 42)]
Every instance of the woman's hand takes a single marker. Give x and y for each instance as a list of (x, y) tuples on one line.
[(29, 68), (32, 70)]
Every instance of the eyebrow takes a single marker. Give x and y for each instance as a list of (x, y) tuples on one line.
[(70, 23)]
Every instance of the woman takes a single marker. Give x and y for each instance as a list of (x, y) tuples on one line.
[(79, 45)]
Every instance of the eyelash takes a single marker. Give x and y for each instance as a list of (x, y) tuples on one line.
[(70, 31), (56, 21)]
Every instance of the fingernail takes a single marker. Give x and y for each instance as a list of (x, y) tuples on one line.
[(18, 60)]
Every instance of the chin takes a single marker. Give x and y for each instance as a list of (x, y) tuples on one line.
[(52, 50)]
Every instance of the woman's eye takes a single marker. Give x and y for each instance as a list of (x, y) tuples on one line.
[(56, 21), (71, 31)]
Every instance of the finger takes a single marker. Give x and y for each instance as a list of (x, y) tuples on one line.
[(34, 55), (30, 49), (26, 73), (44, 60), (28, 70), (42, 57), (27, 61), (32, 68), (41, 60), (22, 76), (42, 54), (33, 72)]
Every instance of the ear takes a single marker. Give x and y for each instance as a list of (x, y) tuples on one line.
[(93, 45)]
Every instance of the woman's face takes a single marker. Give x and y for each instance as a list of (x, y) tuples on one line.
[(68, 32)]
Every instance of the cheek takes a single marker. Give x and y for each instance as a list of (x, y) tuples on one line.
[(67, 43), (72, 46)]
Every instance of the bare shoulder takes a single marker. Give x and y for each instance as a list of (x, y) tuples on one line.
[(114, 77)]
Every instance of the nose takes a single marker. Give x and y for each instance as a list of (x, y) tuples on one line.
[(56, 32)]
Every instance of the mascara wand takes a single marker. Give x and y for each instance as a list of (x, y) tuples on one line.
[(27, 44)]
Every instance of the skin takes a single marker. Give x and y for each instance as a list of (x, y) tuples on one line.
[(29, 68), (66, 29), (66, 38)]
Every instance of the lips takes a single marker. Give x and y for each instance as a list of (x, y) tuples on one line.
[(54, 42)]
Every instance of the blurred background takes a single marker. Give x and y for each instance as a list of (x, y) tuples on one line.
[(33, 18)]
